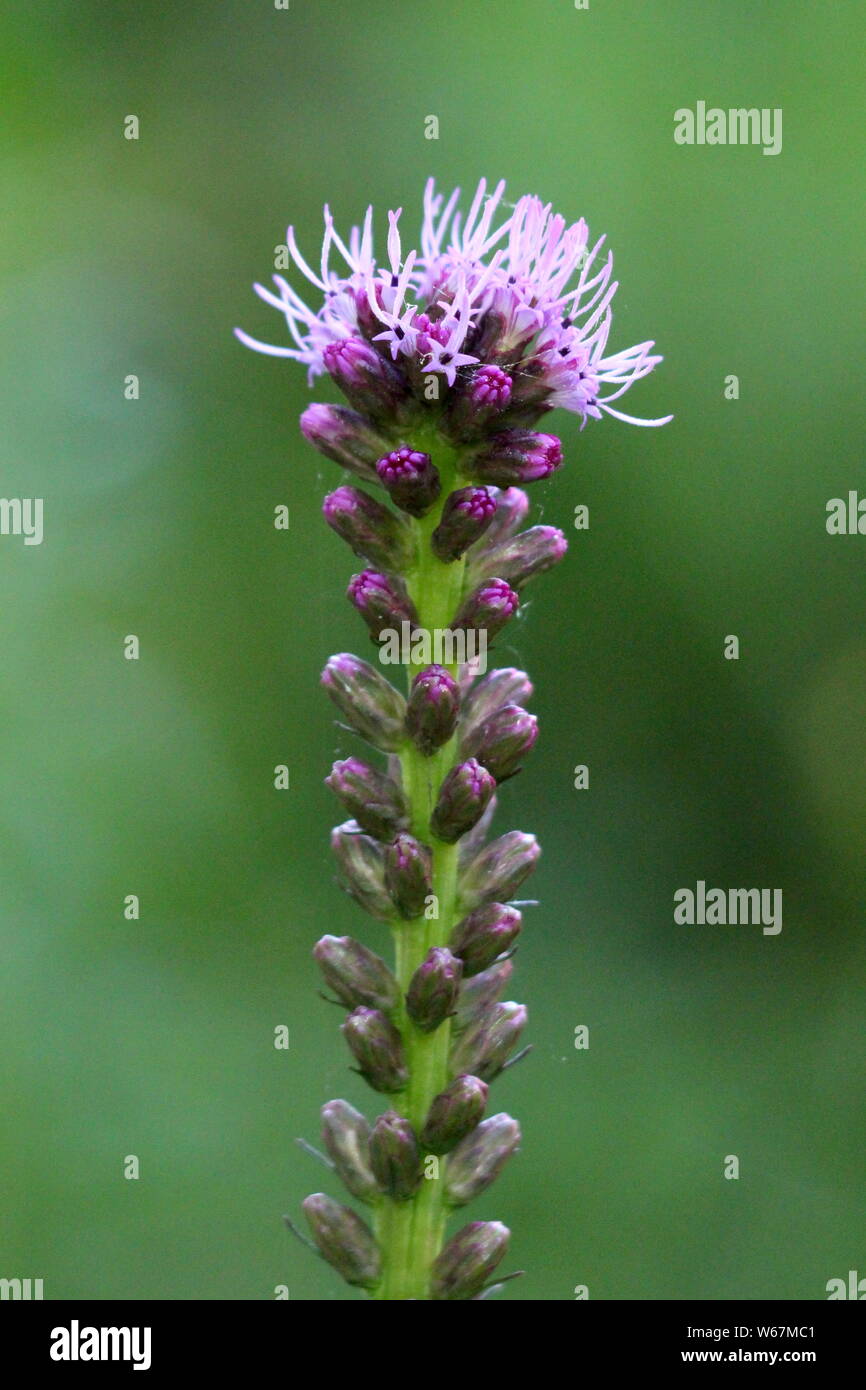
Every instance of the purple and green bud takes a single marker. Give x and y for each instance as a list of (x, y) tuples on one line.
[(466, 515), (480, 991), (356, 974), (486, 1046), (468, 1261), (483, 936), (346, 1137), (369, 381), (377, 1047), (453, 1114), (346, 437), (371, 530), (463, 799), (381, 600), (512, 509), (475, 839), (506, 686), (522, 557), (361, 861), (394, 1156), (434, 989), (488, 608), (344, 1240), (374, 799), (408, 875), (497, 872), (480, 1158), (515, 457), (502, 742), (369, 704), (484, 396), (432, 709), (411, 479)]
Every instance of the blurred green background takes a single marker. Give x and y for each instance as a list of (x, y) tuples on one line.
[(155, 777)]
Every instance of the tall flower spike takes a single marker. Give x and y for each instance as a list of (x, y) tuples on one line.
[(509, 309)]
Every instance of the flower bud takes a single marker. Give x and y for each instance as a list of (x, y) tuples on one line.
[(346, 1137), (411, 478), (344, 1240), (517, 456), (361, 860), (346, 437), (432, 709), (462, 801), (465, 517), (505, 686), (480, 991), (480, 1158), (376, 801), (395, 1157), (381, 600), (453, 1114), (370, 529), (475, 839), (488, 608), (512, 509), (468, 1260), (502, 741), (433, 989), (356, 974), (486, 1046), (485, 395), (521, 557), (369, 703), (377, 1047), (408, 875), (484, 935), (497, 872), (369, 381)]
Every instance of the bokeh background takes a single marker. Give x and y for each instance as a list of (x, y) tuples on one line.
[(155, 777)]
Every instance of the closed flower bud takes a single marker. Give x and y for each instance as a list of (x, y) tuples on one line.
[(485, 1047), (523, 556), (462, 801), (475, 839), (505, 686), (370, 529), (344, 1240), (361, 860), (497, 872), (512, 509), (488, 608), (346, 437), (369, 381), (355, 974), (377, 1047), (453, 1114), (346, 1137), (433, 989), (480, 1158), (432, 709), (368, 703), (485, 394), (376, 801), (502, 741), (468, 1260), (517, 456), (465, 517), (395, 1157), (480, 991), (408, 875), (411, 478), (381, 600), (482, 937)]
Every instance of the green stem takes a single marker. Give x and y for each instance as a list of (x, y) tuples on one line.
[(410, 1233)]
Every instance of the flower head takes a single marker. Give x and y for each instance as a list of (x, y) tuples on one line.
[(511, 306)]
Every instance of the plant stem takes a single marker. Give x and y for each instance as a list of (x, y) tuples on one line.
[(410, 1233)]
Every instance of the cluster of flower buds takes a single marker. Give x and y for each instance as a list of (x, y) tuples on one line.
[(448, 362)]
